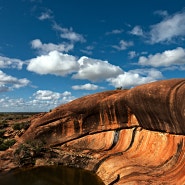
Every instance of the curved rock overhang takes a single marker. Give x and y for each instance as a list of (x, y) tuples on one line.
[(131, 136)]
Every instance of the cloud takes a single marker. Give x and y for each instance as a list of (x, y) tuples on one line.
[(43, 100), (4, 88), (87, 86), (135, 77), (45, 48), (114, 32), (50, 95), (53, 63), (171, 27), (6, 62), (167, 58), (60, 64), (182, 68), (8, 82), (12, 105), (87, 50), (96, 70), (46, 95), (137, 30), (123, 45), (162, 13), (18, 83), (46, 15), (132, 54), (69, 34), (72, 36), (40, 101)]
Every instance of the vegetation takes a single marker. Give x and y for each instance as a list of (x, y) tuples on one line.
[(26, 153), (12, 124), (15, 124), (119, 88), (2, 131), (6, 143), (3, 124), (22, 125)]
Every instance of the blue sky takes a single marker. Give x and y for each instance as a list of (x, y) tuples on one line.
[(54, 51)]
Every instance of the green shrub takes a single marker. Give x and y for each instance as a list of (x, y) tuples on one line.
[(6, 143), (23, 125), (2, 131), (27, 152), (3, 124), (17, 126), (36, 146), (1, 140)]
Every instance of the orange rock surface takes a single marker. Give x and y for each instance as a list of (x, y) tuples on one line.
[(134, 136)]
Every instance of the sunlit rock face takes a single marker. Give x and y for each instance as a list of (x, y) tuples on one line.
[(134, 136)]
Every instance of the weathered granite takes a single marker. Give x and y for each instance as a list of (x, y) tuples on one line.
[(134, 136)]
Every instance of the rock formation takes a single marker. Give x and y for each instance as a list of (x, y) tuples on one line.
[(134, 136)]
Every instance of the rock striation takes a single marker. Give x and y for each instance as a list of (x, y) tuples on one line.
[(134, 136)]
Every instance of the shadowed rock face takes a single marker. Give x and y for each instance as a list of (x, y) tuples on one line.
[(125, 136), (159, 106)]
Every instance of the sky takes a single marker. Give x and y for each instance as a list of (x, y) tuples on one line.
[(54, 51)]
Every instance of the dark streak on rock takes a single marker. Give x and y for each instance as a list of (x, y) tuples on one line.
[(115, 181), (104, 159), (133, 137)]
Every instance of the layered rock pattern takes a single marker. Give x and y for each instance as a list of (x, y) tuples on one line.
[(132, 136)]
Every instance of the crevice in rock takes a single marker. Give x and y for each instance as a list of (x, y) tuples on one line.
[(115, 140), (116, 154), (116, 137), (116, 180)]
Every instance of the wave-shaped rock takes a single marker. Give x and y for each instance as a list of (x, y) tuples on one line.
[(131, 136)]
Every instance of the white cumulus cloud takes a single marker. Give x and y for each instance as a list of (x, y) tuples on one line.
[(167, 58), (96, 70), (135, 77), (60, 64), (53, 63)]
